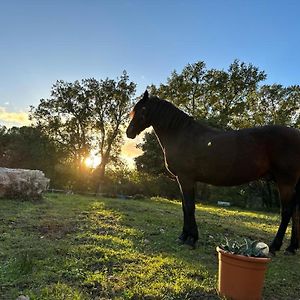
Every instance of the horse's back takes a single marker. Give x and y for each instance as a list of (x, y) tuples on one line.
[(237, 156)]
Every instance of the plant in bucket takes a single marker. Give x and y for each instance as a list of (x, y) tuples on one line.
[(242, 267)]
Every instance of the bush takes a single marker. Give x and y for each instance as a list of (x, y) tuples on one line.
[(127, 182)]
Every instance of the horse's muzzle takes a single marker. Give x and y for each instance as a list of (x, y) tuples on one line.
[(130, 132)]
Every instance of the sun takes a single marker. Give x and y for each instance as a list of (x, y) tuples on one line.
[(92, 161)]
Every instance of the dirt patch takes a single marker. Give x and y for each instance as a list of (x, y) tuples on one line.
[(56, 230)]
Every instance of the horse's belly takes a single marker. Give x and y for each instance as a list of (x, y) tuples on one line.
[(231, 181), (226, 180), (229, 172)]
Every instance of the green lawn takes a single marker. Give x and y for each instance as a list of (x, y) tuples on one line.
[(74, 247)]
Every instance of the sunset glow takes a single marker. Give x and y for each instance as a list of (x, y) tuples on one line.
[(92, 161)]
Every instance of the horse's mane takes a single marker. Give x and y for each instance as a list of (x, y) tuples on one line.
[(167, 115)]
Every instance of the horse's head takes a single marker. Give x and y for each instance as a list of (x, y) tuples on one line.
[(140, 117)]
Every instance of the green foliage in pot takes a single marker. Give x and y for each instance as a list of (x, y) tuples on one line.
[(246, 247)]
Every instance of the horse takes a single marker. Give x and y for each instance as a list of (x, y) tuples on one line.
[(194, 151)]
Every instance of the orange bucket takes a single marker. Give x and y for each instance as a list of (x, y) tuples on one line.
[(241, 277)]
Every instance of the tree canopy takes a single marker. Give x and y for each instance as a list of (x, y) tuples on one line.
[(90, 115), (86, 115)]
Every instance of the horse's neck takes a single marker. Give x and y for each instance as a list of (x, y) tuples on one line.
[(166, 135), (167, 122), (162, 136)]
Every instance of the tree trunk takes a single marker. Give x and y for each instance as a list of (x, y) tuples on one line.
[(270, 196), (101, 177)]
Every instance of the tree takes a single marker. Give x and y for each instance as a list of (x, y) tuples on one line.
[(28, 148), (3, 145), (84, 116), (186, 90), (274, 104), (152, 159), (227, 93), (111, 102), (66, 119), (216, 96)]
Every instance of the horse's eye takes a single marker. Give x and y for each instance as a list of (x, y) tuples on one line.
[(131, 114)]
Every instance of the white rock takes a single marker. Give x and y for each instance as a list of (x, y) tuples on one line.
[(264, 248), (22, 297), (22, 183)]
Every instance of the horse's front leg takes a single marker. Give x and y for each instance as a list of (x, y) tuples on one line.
[(189, 233)]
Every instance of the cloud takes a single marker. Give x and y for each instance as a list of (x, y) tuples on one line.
[(13, 118)]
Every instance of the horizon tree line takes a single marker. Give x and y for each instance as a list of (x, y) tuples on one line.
[(90, 115)]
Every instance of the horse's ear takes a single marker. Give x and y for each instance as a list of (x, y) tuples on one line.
[(146, 96)]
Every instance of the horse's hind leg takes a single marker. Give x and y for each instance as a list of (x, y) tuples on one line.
[(294, 244), (287, 198)]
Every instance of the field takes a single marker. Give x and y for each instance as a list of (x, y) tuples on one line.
[(74, 247)]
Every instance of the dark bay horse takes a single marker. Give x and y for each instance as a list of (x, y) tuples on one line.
[(195, 152)]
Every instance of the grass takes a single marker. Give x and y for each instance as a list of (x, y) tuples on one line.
[(74, 247)]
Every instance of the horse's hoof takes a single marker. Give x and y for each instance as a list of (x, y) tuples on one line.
[(290, 252), (180, 241), (182, 238), (191, 242), (272, 253), (273, 248)]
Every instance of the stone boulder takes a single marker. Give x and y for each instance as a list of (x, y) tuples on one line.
[(22, 297), (22, 183)]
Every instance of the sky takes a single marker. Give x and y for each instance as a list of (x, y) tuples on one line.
[(45, 41)]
